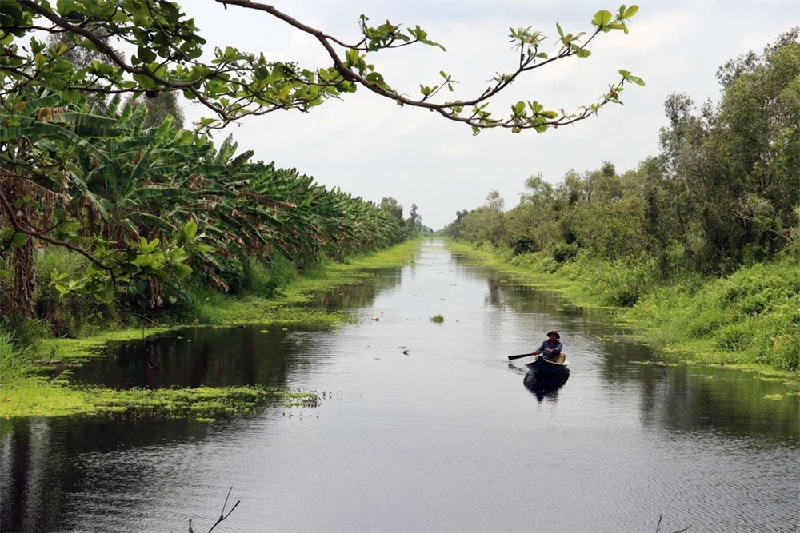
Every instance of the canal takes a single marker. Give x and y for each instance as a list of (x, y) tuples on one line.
[(422, 426)]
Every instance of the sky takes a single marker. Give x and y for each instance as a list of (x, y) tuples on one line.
[(369, 146)]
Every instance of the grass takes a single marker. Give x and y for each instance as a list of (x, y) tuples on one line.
[(750, 317), (437, 318)]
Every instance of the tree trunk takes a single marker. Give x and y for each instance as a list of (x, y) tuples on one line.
[(24, 262)]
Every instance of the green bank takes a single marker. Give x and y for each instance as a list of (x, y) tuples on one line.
[(749, 320), (36, 378)]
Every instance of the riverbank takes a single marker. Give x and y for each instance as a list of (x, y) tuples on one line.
[(36, 381), (748, 321)]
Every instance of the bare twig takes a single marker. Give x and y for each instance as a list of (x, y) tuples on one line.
[(222, 515), (658, 527)]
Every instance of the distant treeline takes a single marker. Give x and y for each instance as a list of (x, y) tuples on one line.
[(723, 192)]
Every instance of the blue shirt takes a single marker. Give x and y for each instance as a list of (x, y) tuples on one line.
[(556, 347)]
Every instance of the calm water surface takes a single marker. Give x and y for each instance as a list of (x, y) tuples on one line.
[(446, 438)]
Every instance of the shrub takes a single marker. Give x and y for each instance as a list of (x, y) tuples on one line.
[(13, 361), (70, 315), (618, 283), (563, 252), (264, 279)]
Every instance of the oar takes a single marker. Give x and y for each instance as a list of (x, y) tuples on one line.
[(520, 356)]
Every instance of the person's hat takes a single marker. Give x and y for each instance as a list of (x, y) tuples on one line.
[(554, 331)]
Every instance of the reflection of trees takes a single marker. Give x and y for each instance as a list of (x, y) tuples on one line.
[(194, 357), (251, 355), (362, 294), (45, 462), (691, 399), (494, 297)]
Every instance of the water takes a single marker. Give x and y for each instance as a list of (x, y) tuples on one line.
[(446, 438)]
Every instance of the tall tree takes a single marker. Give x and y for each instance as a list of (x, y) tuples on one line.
[(391, 206)]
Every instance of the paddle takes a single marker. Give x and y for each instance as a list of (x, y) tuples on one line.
[(520, 356)]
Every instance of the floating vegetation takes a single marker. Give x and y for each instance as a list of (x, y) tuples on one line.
[(774, 397), (437, 318), (27, 399), (659, 364)]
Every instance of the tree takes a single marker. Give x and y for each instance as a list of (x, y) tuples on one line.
[(733, 167), (495, 226), (391, 206), (414, 219), (161, 105), (237, 83)]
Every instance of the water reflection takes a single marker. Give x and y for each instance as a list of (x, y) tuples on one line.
[(362, 294), (227, 356), (195, 357), (544, 388), (45, 462), (687, 399)]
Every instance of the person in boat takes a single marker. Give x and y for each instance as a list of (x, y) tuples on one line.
[(551, 348)]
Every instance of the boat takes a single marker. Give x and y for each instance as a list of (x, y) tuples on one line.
[(543, 368)]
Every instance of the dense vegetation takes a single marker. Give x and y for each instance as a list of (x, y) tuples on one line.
[(141, 204), (159, 209), (703, 238)]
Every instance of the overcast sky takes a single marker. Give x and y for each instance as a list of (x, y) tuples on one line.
[(372, 148)]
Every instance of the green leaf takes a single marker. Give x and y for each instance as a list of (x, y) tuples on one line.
[(182, 270), (177, 256), (65, 7), (145, 54), (189, 231), (602, 18), (143, 261), (631, 11), (19, 239), (62, 290), (105, 293)]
